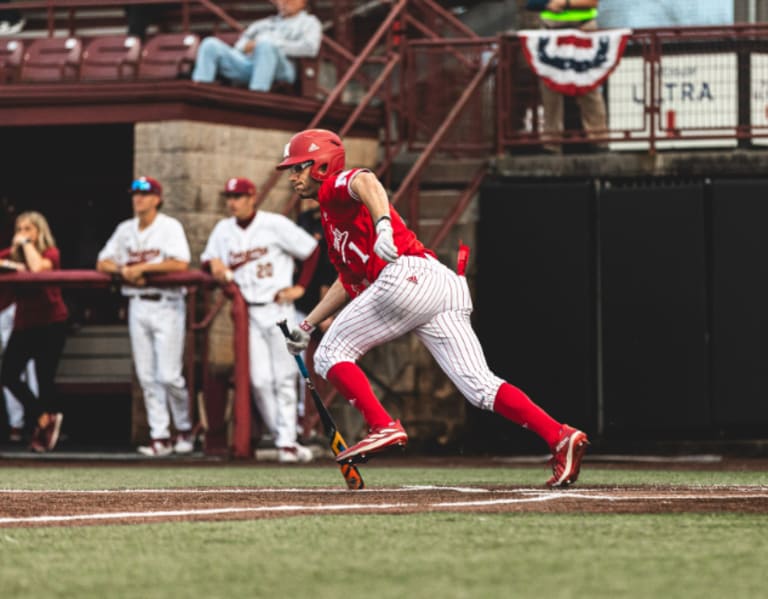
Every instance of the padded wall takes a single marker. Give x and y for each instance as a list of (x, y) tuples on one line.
[(653, 252), (534, 308), (740, 306)]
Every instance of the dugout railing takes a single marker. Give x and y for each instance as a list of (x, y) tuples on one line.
[(211, 407)]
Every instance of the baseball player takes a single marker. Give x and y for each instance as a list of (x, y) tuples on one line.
[(256, 250), (396, 285), (152, 242)]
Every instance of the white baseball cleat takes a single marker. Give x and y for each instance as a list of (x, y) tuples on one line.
[(157, 449), (185, 443), (295, 454)]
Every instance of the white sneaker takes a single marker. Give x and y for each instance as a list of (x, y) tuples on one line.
[(185, 443), (292, 455), (157, 449)]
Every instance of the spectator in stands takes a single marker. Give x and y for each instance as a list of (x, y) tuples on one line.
[(152, 242), (39, 329), (579, 14), (13, 407), (11, 21), (263, 53)]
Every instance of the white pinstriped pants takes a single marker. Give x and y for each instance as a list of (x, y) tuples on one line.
[(426, 297)]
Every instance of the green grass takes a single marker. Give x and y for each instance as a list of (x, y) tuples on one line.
[(381, 556)]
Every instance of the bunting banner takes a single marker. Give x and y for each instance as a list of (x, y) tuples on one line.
[(571, 61)]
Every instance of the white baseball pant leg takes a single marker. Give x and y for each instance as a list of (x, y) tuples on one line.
[(157, 332), (426, 297), (170, 333), (273, 371), (13, 406)]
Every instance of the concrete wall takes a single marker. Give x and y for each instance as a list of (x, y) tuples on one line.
[(193, 160)]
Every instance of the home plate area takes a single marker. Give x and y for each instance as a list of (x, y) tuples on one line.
[(76, 508)]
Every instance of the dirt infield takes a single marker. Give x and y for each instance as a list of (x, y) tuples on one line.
[(55, 507)]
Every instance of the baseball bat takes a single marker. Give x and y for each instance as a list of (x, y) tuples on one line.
[(349, 471)]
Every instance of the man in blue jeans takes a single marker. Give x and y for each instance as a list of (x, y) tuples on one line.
[(263, 53)]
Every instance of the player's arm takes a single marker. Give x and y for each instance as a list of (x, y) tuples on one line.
[(331, 302), (366, 186), (296, 291), (219, 270), (107, 266)]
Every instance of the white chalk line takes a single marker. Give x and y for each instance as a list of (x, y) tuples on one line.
[(530, 496)]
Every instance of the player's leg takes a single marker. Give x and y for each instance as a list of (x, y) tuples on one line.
[(145, 364), (284, 384), (449, 337), (169, 328), (260, 370), (402, 298)]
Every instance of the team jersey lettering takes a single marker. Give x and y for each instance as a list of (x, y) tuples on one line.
[(341, 180), (237, 259), (339, 242), (358, 251), (141, 256)]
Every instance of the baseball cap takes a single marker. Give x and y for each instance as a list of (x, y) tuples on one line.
[(146, 185), (239, 186)]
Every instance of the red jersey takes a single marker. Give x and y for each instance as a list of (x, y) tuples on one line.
[(38, 306), (350, 233)]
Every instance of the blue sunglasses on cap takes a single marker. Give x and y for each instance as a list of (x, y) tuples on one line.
[(140, 185)]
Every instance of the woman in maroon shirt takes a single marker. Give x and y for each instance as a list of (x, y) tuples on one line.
[(39, 329)]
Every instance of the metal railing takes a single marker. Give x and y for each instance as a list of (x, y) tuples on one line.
[(674, 88), (193, 280)]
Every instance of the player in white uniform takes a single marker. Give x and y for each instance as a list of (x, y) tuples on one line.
[(153, 242), (12, 405), (256, 250), (389, 284)]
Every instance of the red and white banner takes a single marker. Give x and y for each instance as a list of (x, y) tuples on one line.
[(571, 61)]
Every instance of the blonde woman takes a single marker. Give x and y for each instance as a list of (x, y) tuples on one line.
[(39, 329)]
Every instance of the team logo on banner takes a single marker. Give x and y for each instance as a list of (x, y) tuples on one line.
[(571, 61)]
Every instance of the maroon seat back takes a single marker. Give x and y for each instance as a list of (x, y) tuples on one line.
[(111, 58), (11, 55), (52, 59), (168, 56)]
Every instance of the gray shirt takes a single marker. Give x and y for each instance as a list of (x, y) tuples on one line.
[(298, 35)]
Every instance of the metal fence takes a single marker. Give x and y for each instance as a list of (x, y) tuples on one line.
[(681, 88)]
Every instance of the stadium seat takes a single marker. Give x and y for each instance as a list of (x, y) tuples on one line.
[(11, 54), (111, 58), (169, 56), (51, 59)]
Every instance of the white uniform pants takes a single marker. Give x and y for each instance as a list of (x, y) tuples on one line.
[(273, 370), (426, 297), (157, 330)]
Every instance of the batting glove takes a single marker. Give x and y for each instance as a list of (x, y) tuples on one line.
[(298, 340), (385, 247)]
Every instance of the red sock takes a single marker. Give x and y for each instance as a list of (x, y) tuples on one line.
[(352, 383), (516, 406)]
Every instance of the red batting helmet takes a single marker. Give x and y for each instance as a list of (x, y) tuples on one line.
[(322, 147)]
